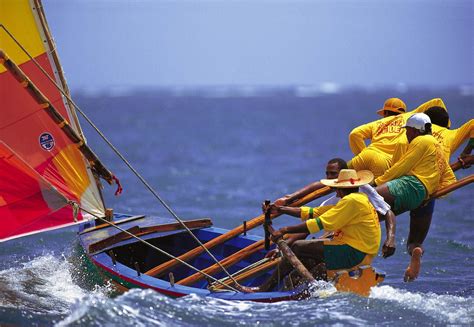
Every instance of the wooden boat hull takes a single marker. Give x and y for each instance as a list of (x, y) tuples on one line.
[(127, 277), (124, 260)]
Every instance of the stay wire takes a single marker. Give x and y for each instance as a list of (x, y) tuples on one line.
[(155, 194)]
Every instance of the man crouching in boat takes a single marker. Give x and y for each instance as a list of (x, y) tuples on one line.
[(354, 220)]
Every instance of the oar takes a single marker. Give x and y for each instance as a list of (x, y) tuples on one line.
[(257, 221)]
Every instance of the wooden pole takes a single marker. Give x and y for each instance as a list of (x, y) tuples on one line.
[(448, 189), (267, 223), (229, 261), (257, 221), (292, 258), (249, 273)]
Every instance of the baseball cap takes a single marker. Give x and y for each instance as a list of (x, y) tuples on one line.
[(394, 105), (418, 121)]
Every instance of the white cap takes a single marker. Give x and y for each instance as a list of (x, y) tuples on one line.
[(418, 121)]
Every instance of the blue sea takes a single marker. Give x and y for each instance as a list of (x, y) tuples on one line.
[(219, 152)]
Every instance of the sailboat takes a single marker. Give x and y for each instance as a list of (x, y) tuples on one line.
[(50, 178)]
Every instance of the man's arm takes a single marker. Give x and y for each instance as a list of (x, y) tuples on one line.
[(461, 134), (357, 137), (468, 149), (436, 102), (290, 198), (295, 229)]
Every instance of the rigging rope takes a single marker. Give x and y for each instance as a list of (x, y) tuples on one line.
[(75, 205), (155, 194)]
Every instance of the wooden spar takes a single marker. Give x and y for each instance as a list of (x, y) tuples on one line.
[(458, 184), (229, 261), (266, 224), (226, 262), (249, 273), (118, 222), (141, 231), (257, 221), (63, 87), (292, 258), (62, 123)]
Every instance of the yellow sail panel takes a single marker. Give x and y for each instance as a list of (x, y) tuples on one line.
[(17, 17), (69, 164)]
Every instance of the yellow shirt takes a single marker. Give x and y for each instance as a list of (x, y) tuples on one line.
[(424, 159), (371, 159), (353, 218), (384, 133), (451, 140)]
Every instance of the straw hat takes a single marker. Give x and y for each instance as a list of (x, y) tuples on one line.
[(393, 105), (349, 178)]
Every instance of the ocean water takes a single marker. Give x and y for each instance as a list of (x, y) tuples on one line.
[(219, 153)]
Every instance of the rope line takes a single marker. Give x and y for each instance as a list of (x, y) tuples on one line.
[(155, 194)]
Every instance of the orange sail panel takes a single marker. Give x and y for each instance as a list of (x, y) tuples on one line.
[(25, 127), (28, 203)]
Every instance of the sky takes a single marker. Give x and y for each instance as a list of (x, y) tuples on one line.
[(153, 43)]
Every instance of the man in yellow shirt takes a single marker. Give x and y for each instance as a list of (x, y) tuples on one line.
[(413, 177), (334, 166), (353, 219), (384, 135), (450, 139)]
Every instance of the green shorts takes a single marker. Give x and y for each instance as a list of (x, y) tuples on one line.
[(408, 191), (342, 256)]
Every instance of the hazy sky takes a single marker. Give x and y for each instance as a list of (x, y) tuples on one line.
[(257, 42)]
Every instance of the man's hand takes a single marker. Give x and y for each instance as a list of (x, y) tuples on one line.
[(282, 201), (273, 254), (273, 208), (388, 248), (276, 235)]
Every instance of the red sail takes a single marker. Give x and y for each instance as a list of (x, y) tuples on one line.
[(28, 203)]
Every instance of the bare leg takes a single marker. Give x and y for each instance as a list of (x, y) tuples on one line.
[(385, 193), (414, 267), (420, 221)]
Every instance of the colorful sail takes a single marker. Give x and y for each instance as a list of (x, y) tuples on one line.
[(26, 127), (28, 203)]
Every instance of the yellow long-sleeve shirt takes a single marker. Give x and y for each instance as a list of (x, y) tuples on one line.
[(384, 133), (424, 159), (353, 218), (451, 140)]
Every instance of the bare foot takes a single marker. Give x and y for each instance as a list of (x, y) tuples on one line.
[(414, 267)]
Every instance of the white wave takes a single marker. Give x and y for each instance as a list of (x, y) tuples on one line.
[(445, 308), (321, 289), (41, 284)]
